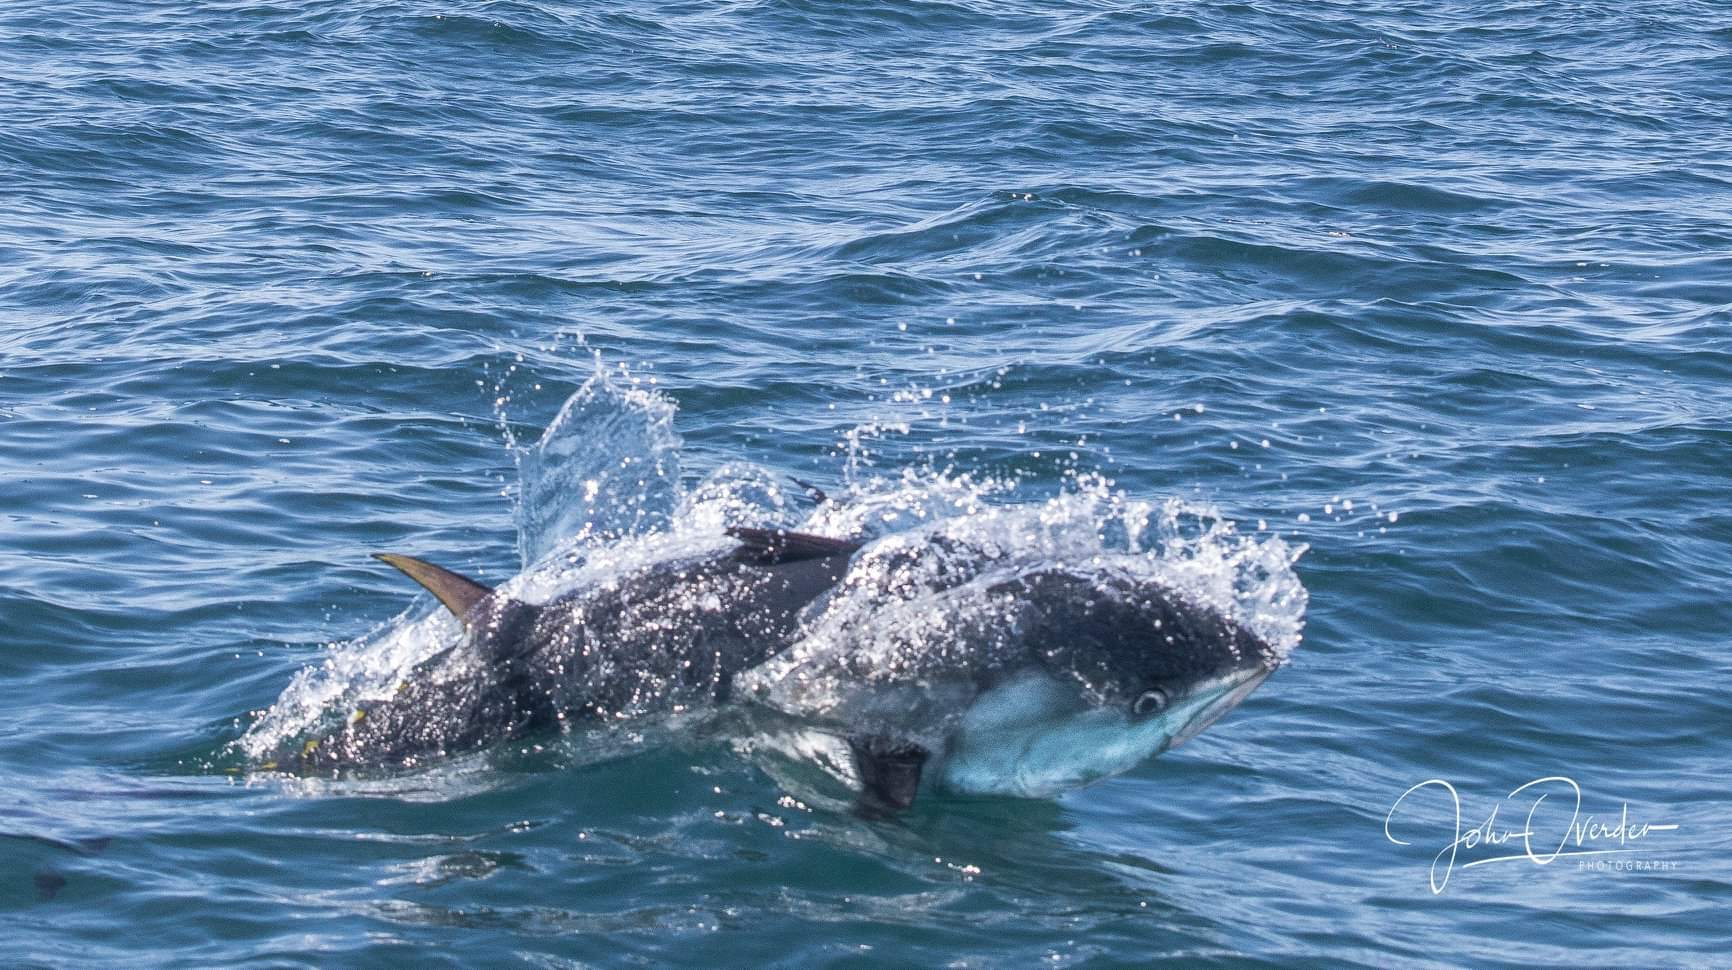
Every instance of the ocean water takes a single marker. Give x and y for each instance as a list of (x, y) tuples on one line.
[(1440, 292)]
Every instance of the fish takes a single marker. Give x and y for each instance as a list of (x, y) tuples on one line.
[(978, 680)]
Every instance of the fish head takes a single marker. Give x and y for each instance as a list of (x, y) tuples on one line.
[(1117, 673)]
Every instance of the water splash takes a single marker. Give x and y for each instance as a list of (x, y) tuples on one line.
[(606, 467), (352, 673)]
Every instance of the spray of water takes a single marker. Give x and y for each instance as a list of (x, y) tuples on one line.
[(602, 497)]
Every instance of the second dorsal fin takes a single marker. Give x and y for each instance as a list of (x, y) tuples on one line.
[(770, 546), (458, 593)]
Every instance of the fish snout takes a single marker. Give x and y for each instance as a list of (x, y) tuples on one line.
[(1209, 702)]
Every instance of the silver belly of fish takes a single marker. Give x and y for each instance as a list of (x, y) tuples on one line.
[(1035, 737)]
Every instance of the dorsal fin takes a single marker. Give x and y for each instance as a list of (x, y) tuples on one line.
[(458, 593), (812, 491), (766, 547)]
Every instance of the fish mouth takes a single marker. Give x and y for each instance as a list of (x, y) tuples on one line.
[(1209, 702)]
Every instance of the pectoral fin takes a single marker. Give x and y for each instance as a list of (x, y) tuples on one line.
[(889, 771), (458, 593)]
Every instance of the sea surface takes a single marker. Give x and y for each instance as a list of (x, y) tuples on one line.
[(1435, 296)]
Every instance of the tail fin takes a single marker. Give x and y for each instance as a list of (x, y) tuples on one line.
[(458, 593)]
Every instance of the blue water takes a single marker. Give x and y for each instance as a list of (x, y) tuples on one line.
[(285, 284)]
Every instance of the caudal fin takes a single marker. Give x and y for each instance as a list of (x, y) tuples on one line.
[(458, 593)]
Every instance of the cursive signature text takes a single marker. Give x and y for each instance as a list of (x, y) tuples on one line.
[(1538, 843)]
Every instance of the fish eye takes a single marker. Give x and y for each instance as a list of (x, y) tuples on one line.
[(1151, 701)]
